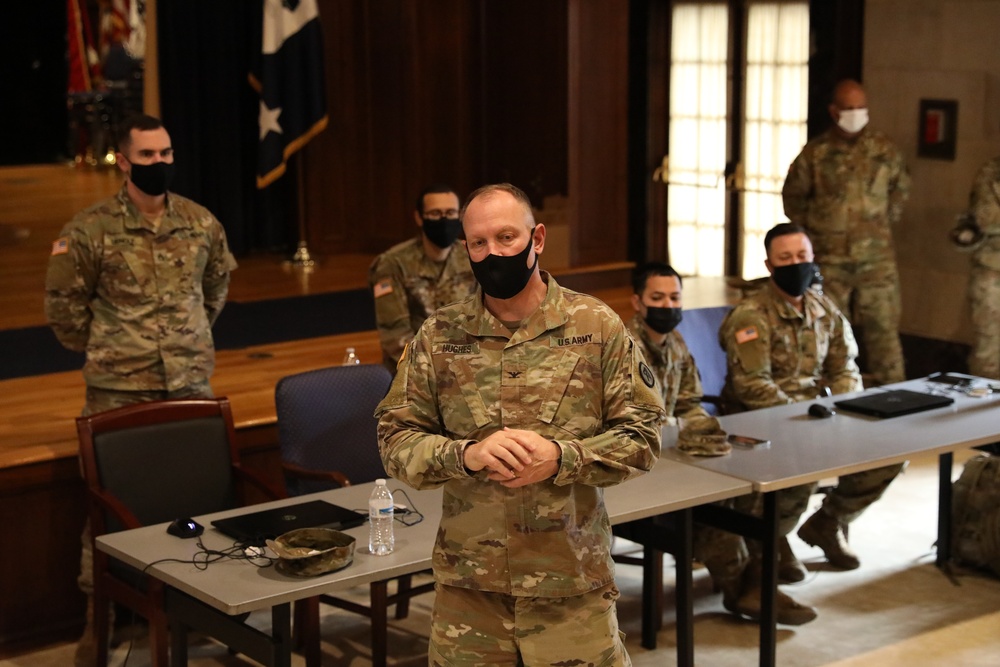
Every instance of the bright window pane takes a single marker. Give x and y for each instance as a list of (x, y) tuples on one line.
[(775, 124), (696, 211)]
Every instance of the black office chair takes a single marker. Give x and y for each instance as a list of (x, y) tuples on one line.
[(152, 463), (327, 436)]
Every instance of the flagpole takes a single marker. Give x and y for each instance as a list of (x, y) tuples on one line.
[(302, 258)]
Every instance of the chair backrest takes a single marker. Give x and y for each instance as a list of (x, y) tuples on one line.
[(162, 460), (700, 328), (326, 422)]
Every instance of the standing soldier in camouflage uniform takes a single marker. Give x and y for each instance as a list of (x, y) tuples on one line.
[(521, 401), (788, 342), (657, 301), (414, 278), (847, 188), (984, 281), (136, 282)]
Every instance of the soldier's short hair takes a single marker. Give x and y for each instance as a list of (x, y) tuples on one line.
[(643, 272), (782, 229), (141, 122), (490, 190), (433, 189)]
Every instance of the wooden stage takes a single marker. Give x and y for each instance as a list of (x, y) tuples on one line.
[(41, 493)]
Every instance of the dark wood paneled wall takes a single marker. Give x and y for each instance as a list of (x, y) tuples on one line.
[(524, 96), (534, 93), (598, 131), (401, 115)]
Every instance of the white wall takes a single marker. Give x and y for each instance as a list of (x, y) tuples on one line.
[(935, 49)]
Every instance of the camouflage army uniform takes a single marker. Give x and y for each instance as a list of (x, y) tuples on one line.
[(674, 368), (570, 373), (849, 193), (408, 286), (776, 356), (984, 281), (140, 302), (722, 552)]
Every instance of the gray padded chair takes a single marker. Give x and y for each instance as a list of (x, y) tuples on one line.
[(328, 439)]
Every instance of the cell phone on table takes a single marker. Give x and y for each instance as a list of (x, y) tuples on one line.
[(746, 442), (949, 379)]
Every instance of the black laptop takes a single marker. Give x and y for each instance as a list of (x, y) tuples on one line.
[(255, 527), (893, 403)]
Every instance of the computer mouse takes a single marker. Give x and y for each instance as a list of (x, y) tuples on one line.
[(185, 528), (821, 411)]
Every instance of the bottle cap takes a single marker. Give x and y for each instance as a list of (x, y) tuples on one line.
[(379, 482)]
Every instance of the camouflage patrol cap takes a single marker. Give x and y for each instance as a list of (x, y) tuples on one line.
[(309, 552), (703, 436)]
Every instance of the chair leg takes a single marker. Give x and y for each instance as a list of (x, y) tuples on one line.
[(403, 585), (306, 630), (159, 639), (379, 595), (98, 608)]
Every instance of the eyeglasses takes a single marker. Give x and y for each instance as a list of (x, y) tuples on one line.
[(437, 214)]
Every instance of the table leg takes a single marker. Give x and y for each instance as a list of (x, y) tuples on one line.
[(769, 582), (945, 462), (186, 613), (683, 555), (380, 635), (178, 642), (652, 595)]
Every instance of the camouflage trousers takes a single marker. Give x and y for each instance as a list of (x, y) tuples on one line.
[(856, 492), (102, 400), (727, 554), (473, 628), (791, 505), (984, 303), (868, 294)]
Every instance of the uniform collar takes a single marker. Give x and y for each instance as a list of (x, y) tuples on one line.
[(550, 314), (135, 220), (812, 309)]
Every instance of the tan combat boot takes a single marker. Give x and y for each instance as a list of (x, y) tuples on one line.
[(824, 531), (788, 611), (790, 568)]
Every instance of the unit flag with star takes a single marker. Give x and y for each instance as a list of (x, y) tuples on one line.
[(290, 84)]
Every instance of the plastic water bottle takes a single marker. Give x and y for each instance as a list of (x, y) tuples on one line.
[(380, 519), (351, 359)]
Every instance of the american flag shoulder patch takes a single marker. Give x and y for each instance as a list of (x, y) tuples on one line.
[(60, 246), (746, 335), (382, 288)]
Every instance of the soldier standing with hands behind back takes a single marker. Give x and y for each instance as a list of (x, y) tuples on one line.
[(136, 282), (847, 189)]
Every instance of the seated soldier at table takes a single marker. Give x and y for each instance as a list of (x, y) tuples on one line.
[(788, 342), (657, 301)]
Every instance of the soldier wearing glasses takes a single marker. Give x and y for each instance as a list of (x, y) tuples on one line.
[(414, 278)]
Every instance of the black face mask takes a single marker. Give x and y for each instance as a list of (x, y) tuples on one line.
[(795, 279), (505, 277), (663, 320), (153, 179), (442, 232)]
